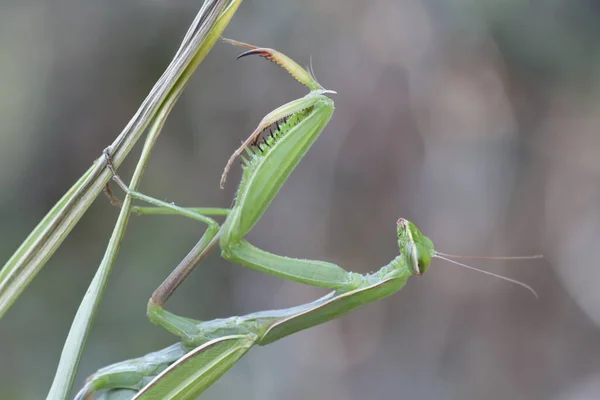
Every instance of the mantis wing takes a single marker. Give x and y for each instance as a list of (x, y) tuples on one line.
[(119, 394), (196, 371)]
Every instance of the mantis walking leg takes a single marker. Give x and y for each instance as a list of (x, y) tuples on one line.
[(200, 250)]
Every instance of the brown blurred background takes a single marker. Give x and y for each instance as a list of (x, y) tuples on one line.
[(479, 121)]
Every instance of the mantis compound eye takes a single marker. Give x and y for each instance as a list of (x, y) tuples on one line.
[(416, 248)]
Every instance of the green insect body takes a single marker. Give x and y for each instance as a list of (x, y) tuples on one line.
[(212, 347)]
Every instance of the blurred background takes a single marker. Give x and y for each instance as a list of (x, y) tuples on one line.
[(479, 121)]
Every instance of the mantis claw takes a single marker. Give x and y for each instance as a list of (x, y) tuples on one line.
[(283, 112), (115, 176), (265, 53), (111, 197), (293, 68)]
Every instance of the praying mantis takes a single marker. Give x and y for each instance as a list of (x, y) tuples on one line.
[(209, 348)]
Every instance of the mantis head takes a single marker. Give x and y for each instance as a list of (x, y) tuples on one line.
[(414, 246)]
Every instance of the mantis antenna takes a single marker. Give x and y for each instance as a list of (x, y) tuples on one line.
[(533, 257), (516, 282)]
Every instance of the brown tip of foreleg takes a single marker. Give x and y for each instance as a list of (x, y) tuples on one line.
[(236, 153)]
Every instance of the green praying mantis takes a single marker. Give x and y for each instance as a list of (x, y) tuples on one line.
[(209, 348)]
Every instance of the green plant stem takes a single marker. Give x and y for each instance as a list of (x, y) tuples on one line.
[(49, 234), (73, 348), (74, 344)]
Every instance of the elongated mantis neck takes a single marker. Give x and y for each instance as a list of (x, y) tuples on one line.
[(397, 268)]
